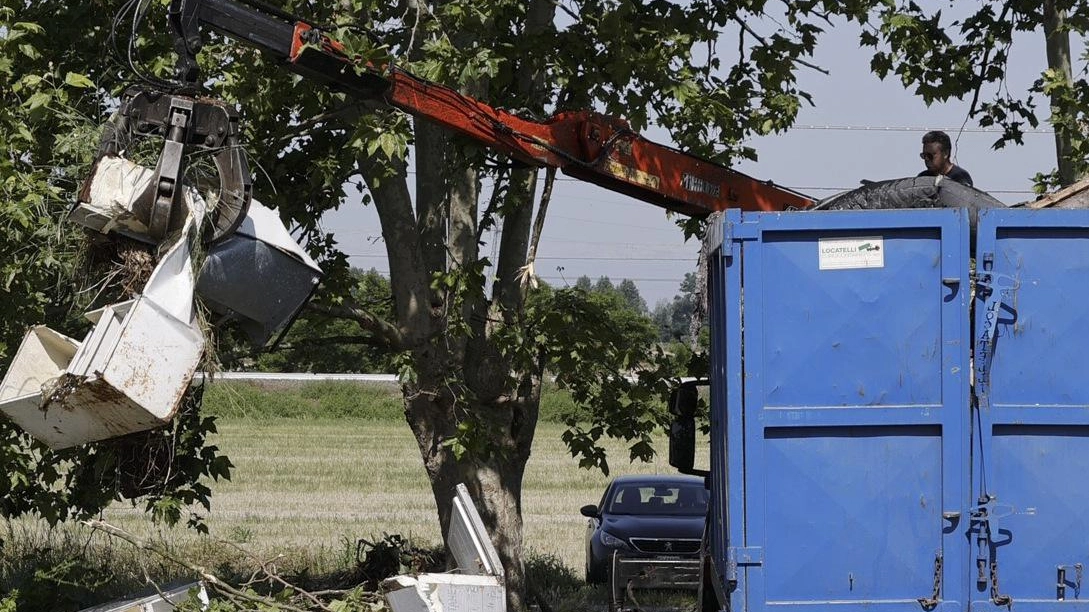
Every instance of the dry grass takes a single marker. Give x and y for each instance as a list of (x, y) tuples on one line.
[(310, 489), (315, 487)]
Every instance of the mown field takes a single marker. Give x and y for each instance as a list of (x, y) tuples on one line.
[(313, 480), (311, 484), (320, 466)]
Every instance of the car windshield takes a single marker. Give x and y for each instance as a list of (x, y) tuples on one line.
[(659, 500)]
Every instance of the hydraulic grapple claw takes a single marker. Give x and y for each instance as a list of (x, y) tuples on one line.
[(186, 125)]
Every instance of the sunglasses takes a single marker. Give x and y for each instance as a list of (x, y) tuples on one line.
[(927, 156)]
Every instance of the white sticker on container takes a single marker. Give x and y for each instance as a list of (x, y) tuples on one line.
[(852, 253)]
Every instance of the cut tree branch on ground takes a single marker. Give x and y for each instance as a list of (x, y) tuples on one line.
[(214, 582)]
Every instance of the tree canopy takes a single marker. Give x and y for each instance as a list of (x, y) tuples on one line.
[(945, 52)]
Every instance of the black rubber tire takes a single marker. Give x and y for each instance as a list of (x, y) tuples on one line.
[(596, 575), (913, 192)]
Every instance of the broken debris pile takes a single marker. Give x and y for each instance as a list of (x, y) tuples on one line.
[(132, 371)]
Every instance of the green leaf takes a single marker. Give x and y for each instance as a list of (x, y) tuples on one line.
[(28, 26), (37, 100), (30, 51), (75, 79)]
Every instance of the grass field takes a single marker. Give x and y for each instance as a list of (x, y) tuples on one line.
[(317, 468), (315, 483)]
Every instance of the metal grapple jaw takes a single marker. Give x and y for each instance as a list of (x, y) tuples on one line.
[(187, 125)]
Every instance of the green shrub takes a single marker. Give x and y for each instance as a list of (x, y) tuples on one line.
[(336, 399)]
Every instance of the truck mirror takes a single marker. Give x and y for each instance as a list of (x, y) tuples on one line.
[(684, 400), (682, 443)]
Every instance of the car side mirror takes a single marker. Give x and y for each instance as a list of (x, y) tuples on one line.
[(589, 511)]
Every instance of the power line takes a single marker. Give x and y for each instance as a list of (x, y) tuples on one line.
[(1006, 191), (612, 223), (636, 280), (908, 128), (561, 278), (690, 259)]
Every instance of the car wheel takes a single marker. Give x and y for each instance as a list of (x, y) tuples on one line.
[(595, 573)]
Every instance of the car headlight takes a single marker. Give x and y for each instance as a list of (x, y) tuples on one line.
[(612, 541)]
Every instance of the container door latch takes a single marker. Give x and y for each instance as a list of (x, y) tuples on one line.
[(995, 290), (1062, 583)]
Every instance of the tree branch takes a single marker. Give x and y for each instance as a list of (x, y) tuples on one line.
[(499, 189), (983, 65), (390, 335), (271, 575), (350, 111), (573, 15), (514, 242), (763, 41), (208, 577), (527, 276), (409, 276)]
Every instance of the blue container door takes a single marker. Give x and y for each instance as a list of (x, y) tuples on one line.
[(854, 410), (1030, 531)]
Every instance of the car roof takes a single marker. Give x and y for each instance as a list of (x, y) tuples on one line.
[(654, 479)]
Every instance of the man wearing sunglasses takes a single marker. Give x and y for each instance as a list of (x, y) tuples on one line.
[(936, 151)]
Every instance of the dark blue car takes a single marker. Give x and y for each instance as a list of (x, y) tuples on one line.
[(655, 519)]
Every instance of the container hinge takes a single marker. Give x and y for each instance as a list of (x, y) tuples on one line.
[(995, 290), (744, 557)]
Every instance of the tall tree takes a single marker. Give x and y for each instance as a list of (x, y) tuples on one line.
[(604, 285), (943, 58), (630, 291), (473, 339)]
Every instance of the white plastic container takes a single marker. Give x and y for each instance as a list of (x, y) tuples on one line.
[(166, 601), (129, 374)]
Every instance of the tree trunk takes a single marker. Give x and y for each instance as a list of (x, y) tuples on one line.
[(462, 376), (495, 482), (1058, 59)]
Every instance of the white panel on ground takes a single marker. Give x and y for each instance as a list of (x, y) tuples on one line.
[(478, 587)]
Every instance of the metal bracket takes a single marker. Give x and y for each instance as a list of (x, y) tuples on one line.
[(170, 170), (182, 16), (744, 557), (1061, 583)]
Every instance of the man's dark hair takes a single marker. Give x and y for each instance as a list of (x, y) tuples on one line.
[(941, 138)]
